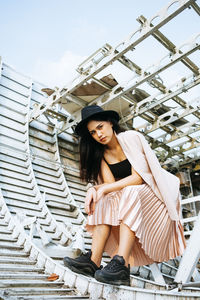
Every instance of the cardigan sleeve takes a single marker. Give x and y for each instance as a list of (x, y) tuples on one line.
[(145, 147), (153, 160), (167, 183)]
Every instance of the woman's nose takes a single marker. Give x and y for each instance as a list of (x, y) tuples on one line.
[(99, 133)]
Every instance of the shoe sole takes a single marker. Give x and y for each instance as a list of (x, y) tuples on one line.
[(75, 270), (116, 282)]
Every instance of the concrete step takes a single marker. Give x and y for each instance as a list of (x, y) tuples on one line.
[(62, 205), (54, 297), (20, 276), (44, 175), (5, 231), (5, 238), (24, 178), (63, 218), (54, 239), (29, 283), (78, 192), (16, 261), (45, 167), (23, 172), (6, 245), (52, 188), (45, 227), (74, 186), (39, 291), (48, 227), (3, 223), (64, 212), (16, 182), (13, 253), (24, 209), (19, 159), (9, 186), (7, 268), (19, 200)]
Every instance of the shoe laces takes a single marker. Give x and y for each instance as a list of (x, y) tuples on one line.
[(112, 264)]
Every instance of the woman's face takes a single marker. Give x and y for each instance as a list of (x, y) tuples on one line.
[(101, 131)]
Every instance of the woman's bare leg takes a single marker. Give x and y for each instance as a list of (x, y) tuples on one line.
[(100, 236), (126, 241)]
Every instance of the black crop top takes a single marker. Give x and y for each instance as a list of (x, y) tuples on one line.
[(121, 169)]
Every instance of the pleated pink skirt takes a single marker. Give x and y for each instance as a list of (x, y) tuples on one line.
[(157, 237)]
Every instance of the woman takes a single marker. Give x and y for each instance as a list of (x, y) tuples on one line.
[(133, 206)]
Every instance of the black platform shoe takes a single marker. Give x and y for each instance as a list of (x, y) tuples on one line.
[(115, 272), (82, 264)]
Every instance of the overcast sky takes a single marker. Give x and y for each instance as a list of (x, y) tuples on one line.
[(46, 39)]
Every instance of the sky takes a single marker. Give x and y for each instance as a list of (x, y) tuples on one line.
[(46, 39)]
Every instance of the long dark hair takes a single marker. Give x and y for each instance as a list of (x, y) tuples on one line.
[(91, 152)]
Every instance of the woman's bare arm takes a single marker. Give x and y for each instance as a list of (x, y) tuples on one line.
[(133, 179), (109, 183), (106, 174)]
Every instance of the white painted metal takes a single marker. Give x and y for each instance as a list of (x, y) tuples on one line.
[(190, 200), (190, 256), (25, 273), (106, 55), (16, 175), (50, 179), (82, 284), (156, 99), (93, 67), (158, 277), (146, 75), (60, 232), (70, 199)]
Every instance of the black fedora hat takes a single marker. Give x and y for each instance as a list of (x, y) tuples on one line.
[(93, 110)]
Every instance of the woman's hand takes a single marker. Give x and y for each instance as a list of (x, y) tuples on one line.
[(90, 200), (93, 195), (101, 191)]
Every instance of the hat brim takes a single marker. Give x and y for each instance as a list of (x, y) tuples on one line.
[(81, 125)]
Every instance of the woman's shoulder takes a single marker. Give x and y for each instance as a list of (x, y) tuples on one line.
[(131, 139), (129, 133)]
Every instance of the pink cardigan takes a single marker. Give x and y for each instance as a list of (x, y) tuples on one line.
[(142, 158)]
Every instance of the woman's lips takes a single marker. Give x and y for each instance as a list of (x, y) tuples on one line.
[(101, 140)]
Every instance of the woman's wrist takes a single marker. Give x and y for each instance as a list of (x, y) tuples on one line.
[(108, 188), (98, 186)]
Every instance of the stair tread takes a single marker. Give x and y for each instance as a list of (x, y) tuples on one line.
[(3, 223), (5, 231), (9, 245), (7, 239), (13, 260), (54, 297), (11, 283), (39, 291), (23, 276), (8, 267), (13, 253)]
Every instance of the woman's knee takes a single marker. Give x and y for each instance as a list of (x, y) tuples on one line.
[(103, 229)]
